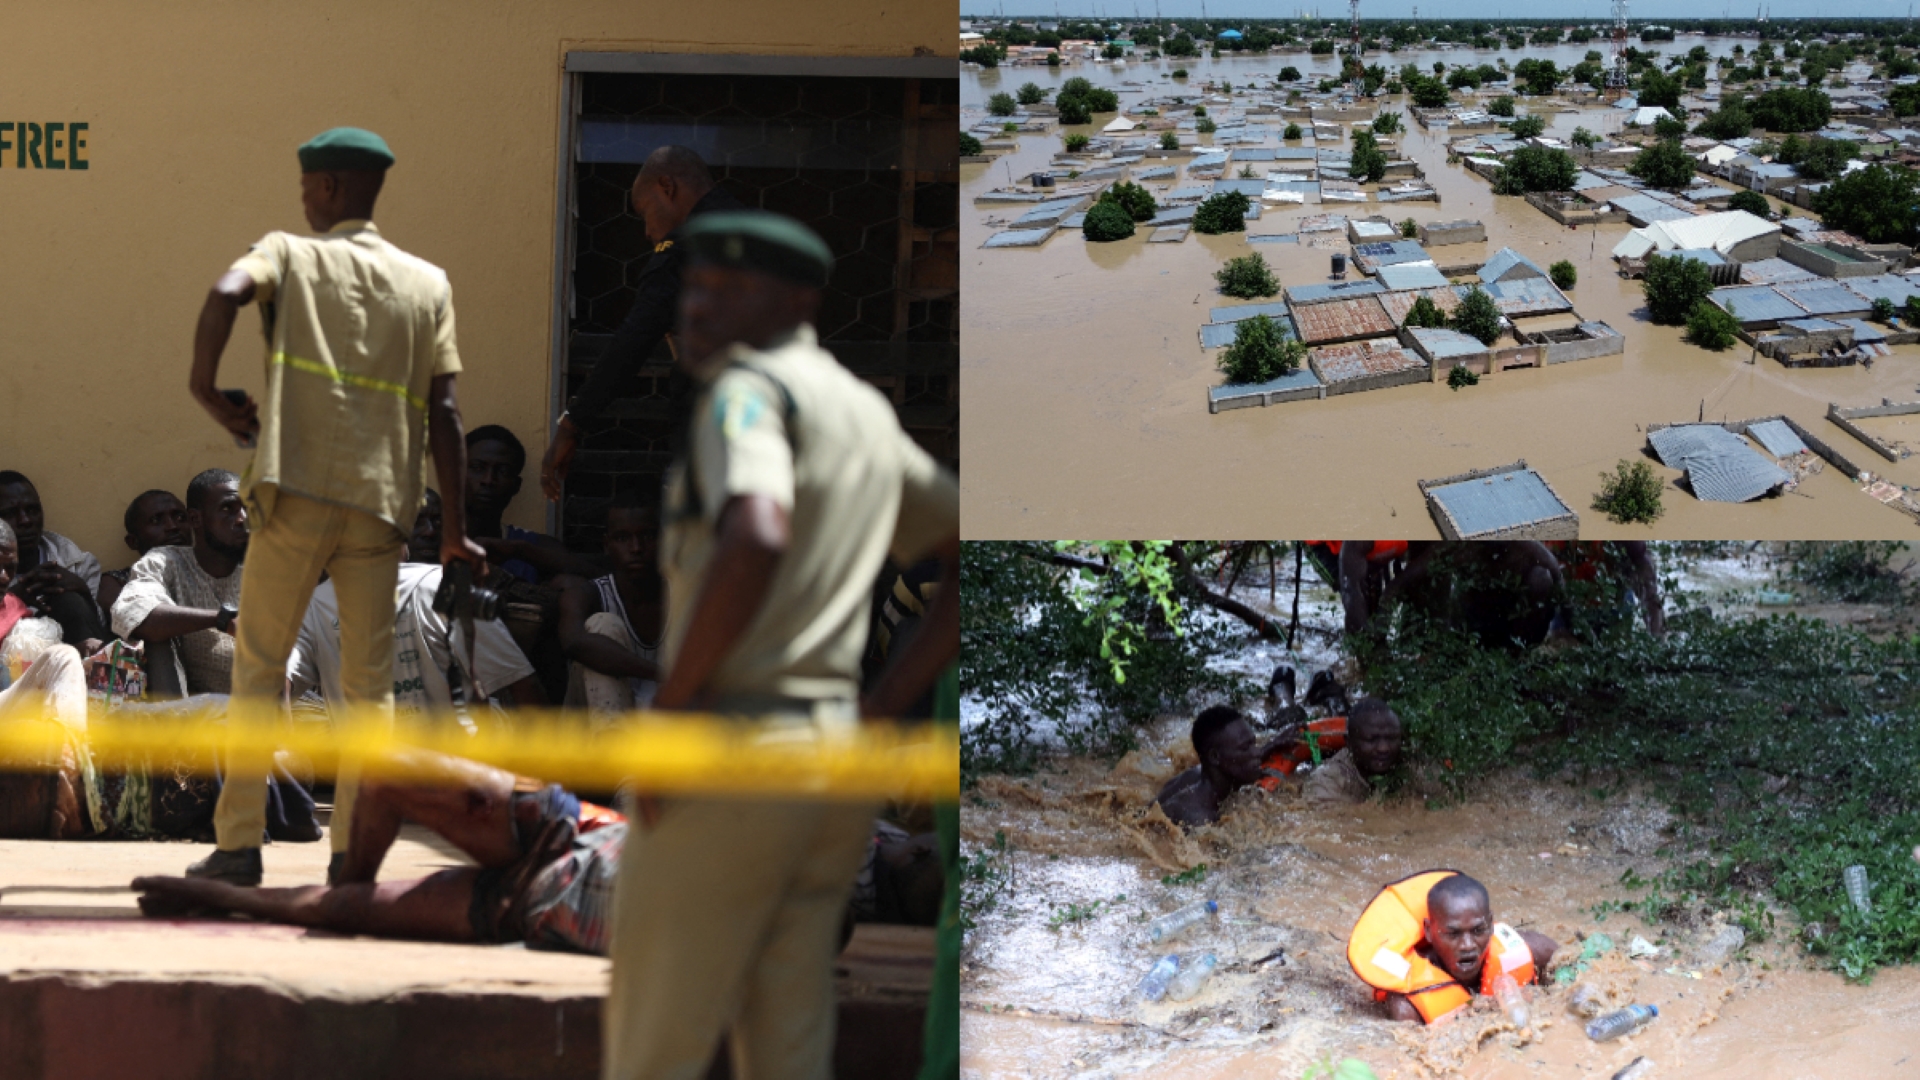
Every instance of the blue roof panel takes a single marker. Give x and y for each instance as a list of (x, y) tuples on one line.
[(1499, 502), (1756, 303), (1307, 294), (1777, 437)]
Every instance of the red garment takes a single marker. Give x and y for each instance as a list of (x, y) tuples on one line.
[(598, 817), (1330, 733), (12, 610), (1383, 550)]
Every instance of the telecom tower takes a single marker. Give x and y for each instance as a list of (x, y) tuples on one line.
[(1617, 75), (1353, 7)]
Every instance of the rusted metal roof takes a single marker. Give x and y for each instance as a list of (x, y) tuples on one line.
[(1527, 296), (1342, 320), (1399, 303), (1363, 359)]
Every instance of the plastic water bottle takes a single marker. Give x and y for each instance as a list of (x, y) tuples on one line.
[(1856, 880), (1585, 1002), (1154, 986), (1191, 978), (1173, 924), (1625, 1022), (1724, 944), (1512, 1001)]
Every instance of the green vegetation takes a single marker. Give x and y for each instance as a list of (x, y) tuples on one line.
[(1563, 274), (1199, 110), (1666, 127), (1077, 142), (1409, 228), (1536, 168), (1853, 572), (1584, 139), (1880, 204), (1429, 93), (987, 56), (1751, 201), (1069, 914), (1107, 221), (1477, 316), (1710, 327), (1223, 212), (1082, 99), (1053, 59), (1289, 74), (1387, 123), (1425, 314), (1501, 106), (1730, 121), (1536, 76), (1661, 90), (1529, 126), (1205, 126), (1631, 493), (1073, 110), (1247, 277), (1169, 141), (1260, 352), (1367, 162), (1665, 164), (1179, 73), (1137, 201), (1292, 132), (969, 146), (1882, 310), (1031, 94), (1002, 105), (1192, 875), (1460, 377), (1791, 110), (1673, 286), (1824, 159)]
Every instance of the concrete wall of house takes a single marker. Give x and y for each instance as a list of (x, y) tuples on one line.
[(1753, 249), (192, 114)]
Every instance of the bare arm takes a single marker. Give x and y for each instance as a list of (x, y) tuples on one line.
[(1353, 584), (930, 651), (1645, 580), (592, 650), (167, 622), (752, 537), (1543, 948), (233, 291), (1399, 1008), (449, 446)]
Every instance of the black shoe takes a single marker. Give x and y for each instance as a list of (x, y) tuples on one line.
[(1326, 692), (233, 867), (1280, 688)]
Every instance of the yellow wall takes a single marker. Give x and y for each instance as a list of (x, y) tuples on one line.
[(194, 113)]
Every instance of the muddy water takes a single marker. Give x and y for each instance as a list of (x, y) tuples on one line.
[(1086, 385), (1048, 996)]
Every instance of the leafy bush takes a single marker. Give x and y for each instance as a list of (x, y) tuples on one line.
[(1882, 310), (1223, 212), (1789, 109), (1031, 94), (1430, 93), (969, 146), (1710, 327), (1179, 73), (1053, 59), (1529, 126), (1199, 110), (1247, 277), (1666, 127), (1137, 201), (1501, 106), (1665, 164), (1563, 274), (1673, 286), (1409, 228), (1077, 142), (1660, 90), (1366, 162), (1387, 123), (1477, 316), (1425, 314), (1260, 352), (1877, 204), (1292, 132), (1073, 110), (1536, 168), (1205, 126), (1629, 494), (1584, 139), (1289, 74), (1460, 377), (1002, 105), (987, 56), (1751, 201), (1825, 159), (1852, 572), (1730, 121), (1107, 221), (1169, 141)]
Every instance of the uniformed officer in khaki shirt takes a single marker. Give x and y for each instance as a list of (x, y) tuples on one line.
[(797, 486), (360, 383)]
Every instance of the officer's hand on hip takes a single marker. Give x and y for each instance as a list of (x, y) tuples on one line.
[(559, 457)]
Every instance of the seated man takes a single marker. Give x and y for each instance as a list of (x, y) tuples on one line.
[(1371, 739), (153, 519), (495, 461), (547, 864), (190, 596), (55, 578), (1229, 761), (1428, 943), (427, 647), (610, 626)]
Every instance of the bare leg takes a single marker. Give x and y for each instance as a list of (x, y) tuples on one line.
[(434, 908), (468, 803)]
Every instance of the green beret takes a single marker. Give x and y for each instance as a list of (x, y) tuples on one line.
[(771, 243), (345, 149)]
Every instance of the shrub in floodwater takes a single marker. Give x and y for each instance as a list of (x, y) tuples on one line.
[(1247, 277), (1629, 494), (1169, 141), (1673, 286), (1426, 314), (1031, 94), (1077, 142), (1199, 111), (1460, 377), (1529, 126), (1852, 571), (1501, 106), (1205, 126), (1107, 220), (1387, 123), (1477, 315), (1135, 200), (1179, 73), (1711, 328), (969, 146), (1563, 274), (1260, 352), (1292, 132), (1223, 212), (1409, 228), (1367, 162), (1002, 105)]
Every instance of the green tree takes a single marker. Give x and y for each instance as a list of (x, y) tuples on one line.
[(1107, 221), (1387, 123), (1882, 310), (1077, 142), (1179, 73), (1537, 76), (1529, 126), (1730, 121), (1788, 109), (1321, 47), (1112, 52), (1292, 132), (1260, 352), (1477, 315), (1430, 94), (1536, 168), (1661, 90), (1247, 277), (1563, 274), (1002, 105), (1053, 59), (1460, 377), (1711, 328), (1169, 141), (1031, 94), (1199, 110), (1073, 110), (969, 146), (1223, 212), (1877, 204), (1289, 74), (1905, 100), (987, 56), (1205, 126), (1826, 158), (1584, 139), (1751, 201), (1137, 201), (1632, 493), (1501, 106), (1673, 286), (1665, 164), (1366, 162), (1409, 228), (1666, 127), (1425, 313)]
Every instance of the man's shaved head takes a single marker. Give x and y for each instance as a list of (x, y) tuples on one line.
[(680, 164), (1459, 893), (1374, 734)]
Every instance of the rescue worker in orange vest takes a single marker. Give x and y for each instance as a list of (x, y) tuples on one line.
[(1359, 571), (1428, 943), (1606, 580), (1229, 761)]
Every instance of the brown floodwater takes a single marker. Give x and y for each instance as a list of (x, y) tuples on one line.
[(1047, 996), (1085, 388)]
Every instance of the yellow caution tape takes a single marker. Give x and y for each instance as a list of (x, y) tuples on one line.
[(665, 753)]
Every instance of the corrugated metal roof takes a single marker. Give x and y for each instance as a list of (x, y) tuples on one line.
[(1582, 180), (1250, 188), (1823, 297), (1895, 287), (1442, 344), (1158, 172), (1217, 334), (1049, 212), (1772, 272), (1342, 320), (1236, 312), (1187, 191), (1333, 290), (1420, 275), (1864, 332), (1527, 296), (1363, 359), (1399, 303), (1755, 303), (1300, 378), (1646, 210), (1811, 326), (1389, 252), (1704, 256), (1505, 501), (1720, 466), (1174, 216), (1169, 234), (1017, 238), (1508, 261), (1777, 437), (1372, 231)]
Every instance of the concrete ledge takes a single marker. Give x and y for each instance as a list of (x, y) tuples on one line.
[(1845, 418), (1299, 386)]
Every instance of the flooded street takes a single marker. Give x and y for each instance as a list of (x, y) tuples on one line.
[(1086, 385), (1049, 973)]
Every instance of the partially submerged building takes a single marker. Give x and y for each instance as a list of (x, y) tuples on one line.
[(1508, 502), (1735, 234)]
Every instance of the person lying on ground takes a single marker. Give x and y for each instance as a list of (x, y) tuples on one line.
[(1428, 943), (429, 651), (153, 519), (547, 864), (49, 563), (190, 596), (610, 626), (1229, 761), (1369, 748)]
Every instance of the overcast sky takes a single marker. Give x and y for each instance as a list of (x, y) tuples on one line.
[(1571, 10)]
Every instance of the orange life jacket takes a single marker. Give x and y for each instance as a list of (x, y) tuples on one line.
[(1329, 734), (1384, 951), (1582, 560), (593, 817), (1383, 550)]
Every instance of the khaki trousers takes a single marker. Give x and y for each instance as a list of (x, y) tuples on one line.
[(727, 917), (293, 540)]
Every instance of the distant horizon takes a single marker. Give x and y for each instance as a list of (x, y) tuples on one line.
[(1580, 11)]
